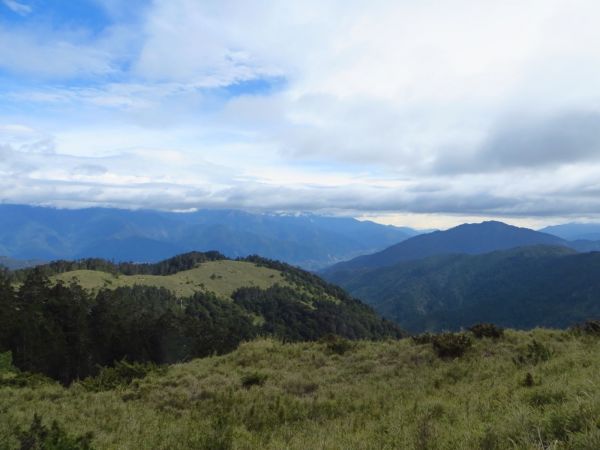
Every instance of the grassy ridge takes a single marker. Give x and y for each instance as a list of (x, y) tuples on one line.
[(527, 390), (221, 277)]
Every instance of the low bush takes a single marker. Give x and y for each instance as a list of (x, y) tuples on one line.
[(451, 345), (538, 352), (425, 338), (120, 375), (253, 379), (40, 437), (589, 327), (488, 330), (337, 344), (10, 376), (535, 353), (528, 380), (6, 364)]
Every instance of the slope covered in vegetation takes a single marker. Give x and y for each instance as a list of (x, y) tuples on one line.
[(520, 288), (67, 331), (523, 390), (468, 238), (221, 277)]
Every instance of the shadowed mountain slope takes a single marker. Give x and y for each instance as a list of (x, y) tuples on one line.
[(469, 239), (521, 288)]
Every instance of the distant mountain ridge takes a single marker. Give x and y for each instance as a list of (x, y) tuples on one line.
[(469, 239), (15, 264), (525, 287), (310, 241), (575, 231)]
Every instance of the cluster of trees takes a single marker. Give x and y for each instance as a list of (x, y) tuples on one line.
[(294, 316), (68, 333)]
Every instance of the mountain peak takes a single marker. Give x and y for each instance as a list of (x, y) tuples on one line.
[(472, 238)]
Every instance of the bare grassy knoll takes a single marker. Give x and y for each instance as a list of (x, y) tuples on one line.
[(221, 277), (525, 390)]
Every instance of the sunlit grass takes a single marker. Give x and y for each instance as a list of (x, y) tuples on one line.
[(375, 395), (221, 277)]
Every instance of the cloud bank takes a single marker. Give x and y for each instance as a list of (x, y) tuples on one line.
[(454, 107)]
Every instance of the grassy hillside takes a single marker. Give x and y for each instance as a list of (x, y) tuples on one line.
[(68, 318), (221, 277), (526, 390), (520, 288)]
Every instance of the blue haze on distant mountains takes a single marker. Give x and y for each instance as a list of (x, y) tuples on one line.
[(310, 241), (575, 231), (471, 239), (486, 272)]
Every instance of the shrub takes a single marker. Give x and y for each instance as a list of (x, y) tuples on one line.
[(589, 327), (20, 379), (120, 375), (40, 437), (450, 345), (425, 338), (13, 377), (489, 330), (528, 381), (337, 344), (6, 362), (253, 379), (538, 352)]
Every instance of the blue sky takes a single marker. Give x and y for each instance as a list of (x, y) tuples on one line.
[(414, 113)]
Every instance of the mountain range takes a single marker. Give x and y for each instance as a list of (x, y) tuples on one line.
[(309, 241), (470, 239), (16, 264), (575, 231), (474, 273)]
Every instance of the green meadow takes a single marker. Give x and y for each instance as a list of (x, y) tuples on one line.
[(221, 277), (525, 390)]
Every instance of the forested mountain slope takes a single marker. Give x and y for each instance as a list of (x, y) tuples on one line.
[(521, 288), (467, 238)]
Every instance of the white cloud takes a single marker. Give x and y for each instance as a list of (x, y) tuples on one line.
[(17, 7)]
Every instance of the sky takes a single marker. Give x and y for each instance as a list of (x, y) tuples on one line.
[(425, 114)]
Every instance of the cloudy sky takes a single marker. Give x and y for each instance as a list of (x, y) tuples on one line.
[(421, 113)]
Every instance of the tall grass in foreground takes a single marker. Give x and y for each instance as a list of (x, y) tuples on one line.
[(523, 390)]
